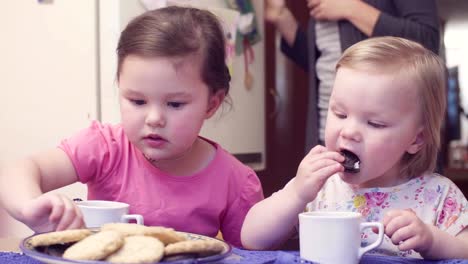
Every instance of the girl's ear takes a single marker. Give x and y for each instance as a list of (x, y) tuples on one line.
[(418, 143), (214, 102)]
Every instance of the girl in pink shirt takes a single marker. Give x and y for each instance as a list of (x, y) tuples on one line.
[(172, 76)]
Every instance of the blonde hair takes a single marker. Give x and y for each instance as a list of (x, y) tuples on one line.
[(426, 70)]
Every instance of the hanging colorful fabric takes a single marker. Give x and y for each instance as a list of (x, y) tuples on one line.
[(247, 25), (248, 59)]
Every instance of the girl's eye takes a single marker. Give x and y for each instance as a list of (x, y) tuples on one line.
[(340, 115), (138, 102), (376, 125), (175, 104)]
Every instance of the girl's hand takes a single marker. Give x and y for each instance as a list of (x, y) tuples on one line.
[(314, 170), (52, 212), (330, 10), (273, 9), (407, 231)]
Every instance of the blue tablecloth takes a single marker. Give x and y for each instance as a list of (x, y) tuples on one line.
[(239, 256)]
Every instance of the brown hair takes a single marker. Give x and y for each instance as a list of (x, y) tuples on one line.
[(426, 70), (176, 32)]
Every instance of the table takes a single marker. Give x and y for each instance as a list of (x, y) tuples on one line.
[(10, 253)]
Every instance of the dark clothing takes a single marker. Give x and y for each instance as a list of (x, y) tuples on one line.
[(416, 20)]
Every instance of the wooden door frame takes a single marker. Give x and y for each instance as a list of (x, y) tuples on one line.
[(285, 139)]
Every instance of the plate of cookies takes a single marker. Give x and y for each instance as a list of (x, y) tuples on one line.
[(124, 243)]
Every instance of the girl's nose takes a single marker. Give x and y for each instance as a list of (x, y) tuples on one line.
[(155, 118), (350, 131)]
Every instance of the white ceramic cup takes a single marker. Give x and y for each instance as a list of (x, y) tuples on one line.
[(334, 237), (96, 213)]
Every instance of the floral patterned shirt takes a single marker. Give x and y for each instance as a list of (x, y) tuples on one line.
[(434, 198)]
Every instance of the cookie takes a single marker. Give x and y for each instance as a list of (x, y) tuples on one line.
[(95, 247), (138, 249), (200, 247), (165, 235), (351, 163), (58, 237)]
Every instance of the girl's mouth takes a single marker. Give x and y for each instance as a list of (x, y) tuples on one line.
[(352, 164), (154, 140)]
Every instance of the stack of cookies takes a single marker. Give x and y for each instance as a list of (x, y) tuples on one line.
[(126, 243)]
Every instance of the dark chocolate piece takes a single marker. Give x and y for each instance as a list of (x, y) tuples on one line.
[(351, 163)]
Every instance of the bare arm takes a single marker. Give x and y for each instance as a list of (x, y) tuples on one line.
[(270, 222), (446, 246), (27, 179), (277, 13)]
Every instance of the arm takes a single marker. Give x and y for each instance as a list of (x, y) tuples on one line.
[(408, 232), (360, 14), (417, 21), (23, 183), (270, 222), (446, 246), (277, 13), (294, 41)]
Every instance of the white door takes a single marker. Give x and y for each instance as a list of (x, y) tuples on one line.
[(48, 79)]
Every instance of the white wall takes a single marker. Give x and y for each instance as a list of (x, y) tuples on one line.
[(48, 73)]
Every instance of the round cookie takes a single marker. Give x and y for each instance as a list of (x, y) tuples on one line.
[(165, 235), (58, 237), (201, 247), (138, 249), (95, 247)]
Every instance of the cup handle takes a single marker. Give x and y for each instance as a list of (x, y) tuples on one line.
[(376, 243), (138, 218)]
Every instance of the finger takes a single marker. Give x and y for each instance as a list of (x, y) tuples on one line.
[(410, 243), (312, 3), (319, 15), (397, 223), (69, 214), (314, 12), (57, 208), (409, 210), (316, 150), (77, 223), (402, 234), (316, 167), (390, 215), (326, 171), (331, 155)]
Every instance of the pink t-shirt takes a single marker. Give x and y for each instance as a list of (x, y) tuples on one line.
[(216, 198)]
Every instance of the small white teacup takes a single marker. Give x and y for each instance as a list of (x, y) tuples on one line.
[(334, 237), (97, 212)]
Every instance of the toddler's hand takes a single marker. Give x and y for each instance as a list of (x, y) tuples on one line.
[(319, 164), (407, 231), (273, 9), (52, 212)]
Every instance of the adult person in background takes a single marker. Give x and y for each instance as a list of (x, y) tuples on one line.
[(335, 25)]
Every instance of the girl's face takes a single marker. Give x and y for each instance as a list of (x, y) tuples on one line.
[(163, 104), (377, 117)]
